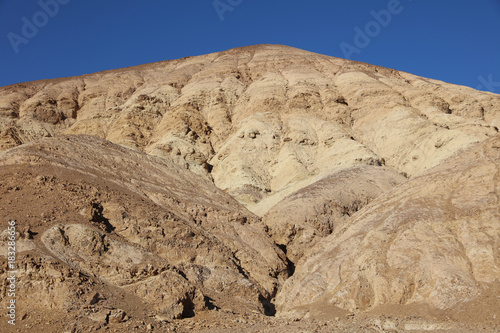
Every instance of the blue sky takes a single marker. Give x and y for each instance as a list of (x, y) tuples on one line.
[(456, 41)]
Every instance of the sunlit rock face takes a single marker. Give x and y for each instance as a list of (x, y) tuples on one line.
[(258, 180)]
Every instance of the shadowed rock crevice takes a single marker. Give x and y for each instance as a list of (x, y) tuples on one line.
[(290, 264), (96, 212), (188, 311), (269, 307)]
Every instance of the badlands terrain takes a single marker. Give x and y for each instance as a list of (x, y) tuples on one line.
[(263, 188)]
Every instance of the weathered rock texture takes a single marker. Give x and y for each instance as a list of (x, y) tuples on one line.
[(205, 182), (325, 206), (136, 222), (262, 121), (434, 239)]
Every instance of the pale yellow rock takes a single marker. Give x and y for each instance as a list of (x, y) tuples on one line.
[(433, 239), (260, 121)]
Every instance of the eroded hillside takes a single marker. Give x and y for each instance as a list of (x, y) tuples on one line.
[(251, 181)]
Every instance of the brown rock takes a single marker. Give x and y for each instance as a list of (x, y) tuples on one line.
[(93, 299), (100, 317), (117, 316), (170, 238)]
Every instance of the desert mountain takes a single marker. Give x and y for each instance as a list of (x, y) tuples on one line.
[(252, 178)]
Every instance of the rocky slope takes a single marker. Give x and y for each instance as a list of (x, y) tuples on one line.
[(204, 183), (94, 215), (260, 121), (435, 238)]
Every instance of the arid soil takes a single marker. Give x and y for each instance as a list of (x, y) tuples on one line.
[(263, 188)]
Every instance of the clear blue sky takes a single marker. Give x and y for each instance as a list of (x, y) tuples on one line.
[(456, 41)]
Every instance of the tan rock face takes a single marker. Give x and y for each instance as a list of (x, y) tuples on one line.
[(139, 223), (261, 121), (325, 206), (433, 239), (205, 182)]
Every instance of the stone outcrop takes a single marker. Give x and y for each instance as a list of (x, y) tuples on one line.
[(121, 218), (434, 239)]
